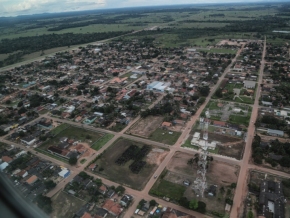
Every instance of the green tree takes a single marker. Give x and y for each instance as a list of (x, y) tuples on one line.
[(152, 203), (49, 184), (229, 201), (219, 93), (204, 91), (43, 203), (20, 104), (250, 214), (233, 185), (201, 100), (193, 204), (201, 207), (98, 182), (120, 190), (22, 110), (73, 160), (184, 202)]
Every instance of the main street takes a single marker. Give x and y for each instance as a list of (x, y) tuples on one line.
[(244, 165), (241, 189)]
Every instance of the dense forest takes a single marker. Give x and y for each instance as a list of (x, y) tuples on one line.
[(27, 45), (254, 24)]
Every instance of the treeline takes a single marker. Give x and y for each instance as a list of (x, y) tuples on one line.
[(267, 23), (27, 45), (275, 148), (217, 15), (114, 20)]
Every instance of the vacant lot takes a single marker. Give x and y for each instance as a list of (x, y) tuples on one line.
[(102, 141), (168, 189), (234, 150), (145, 127), (65, 205), (222, 138), (165, 136), (220, 174), (109, 169)]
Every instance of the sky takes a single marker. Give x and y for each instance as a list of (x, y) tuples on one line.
[(24, 7)]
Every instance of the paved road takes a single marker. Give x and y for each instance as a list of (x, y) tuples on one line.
[(241, 189)]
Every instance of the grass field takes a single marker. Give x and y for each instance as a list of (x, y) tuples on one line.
[(212, 105), (244, 120), (231, 86), (245, 100), (163, 136), (59, 129), (83, 161), (102, 141), (164, 188), (189, 145)]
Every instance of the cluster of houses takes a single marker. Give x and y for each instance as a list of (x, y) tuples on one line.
[(29, 173), (29, 135), (67, 148), (115, 75), (112, 206), (276, 77)]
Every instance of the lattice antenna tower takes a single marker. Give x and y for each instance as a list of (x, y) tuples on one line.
[(200, 184)]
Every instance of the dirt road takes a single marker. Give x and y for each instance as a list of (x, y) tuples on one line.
[(138, 195), (241, 189)]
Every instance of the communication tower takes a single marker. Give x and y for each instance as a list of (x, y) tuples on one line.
[(200, 184)]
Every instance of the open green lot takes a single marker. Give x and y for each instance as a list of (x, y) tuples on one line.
[(102, 141), (188, 144), (168, 189), (163, 136), (240, 119), (59, 129)]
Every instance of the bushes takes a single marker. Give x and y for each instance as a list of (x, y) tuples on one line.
[(73, 160), (44, 203)]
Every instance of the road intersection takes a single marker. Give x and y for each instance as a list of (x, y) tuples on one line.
[(244, 164)]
